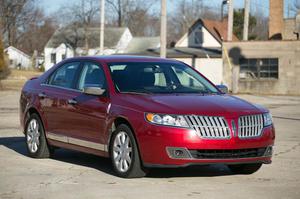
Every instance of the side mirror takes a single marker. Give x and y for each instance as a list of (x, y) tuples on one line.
[(93, 91), (223, 88)]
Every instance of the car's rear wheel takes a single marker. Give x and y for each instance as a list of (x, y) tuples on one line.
[(245, 168), (36, 142), (124, 153)]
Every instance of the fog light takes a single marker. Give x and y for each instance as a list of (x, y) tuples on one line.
[(269, 151), (178, 153)]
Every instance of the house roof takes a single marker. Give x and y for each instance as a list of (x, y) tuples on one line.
[(183, 52), (70, 34), (141, 44), (16, 50), (218, 29)]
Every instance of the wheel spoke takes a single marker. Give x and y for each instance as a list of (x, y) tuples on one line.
[(117, 149), (128, 159), (118, 139), (123, 137), (119, 166), (129, 149), (126, 141), (125, 165)]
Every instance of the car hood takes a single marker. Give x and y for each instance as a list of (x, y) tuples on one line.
[(191, 104)]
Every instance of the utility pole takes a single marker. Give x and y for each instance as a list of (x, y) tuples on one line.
[(230, 20), (246, 20), (102, 21), (163, 29)]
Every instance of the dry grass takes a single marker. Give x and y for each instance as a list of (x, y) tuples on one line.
[(16, 79)]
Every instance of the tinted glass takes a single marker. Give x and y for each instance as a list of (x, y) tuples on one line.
[(158, 78), (92, 75), (65, 75)]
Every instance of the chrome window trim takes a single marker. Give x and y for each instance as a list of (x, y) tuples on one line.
[(60, 87)]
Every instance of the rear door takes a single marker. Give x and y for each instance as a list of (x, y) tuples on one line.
[(59, 88), (55, 96)]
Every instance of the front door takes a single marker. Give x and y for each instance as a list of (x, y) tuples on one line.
[(89, 112)]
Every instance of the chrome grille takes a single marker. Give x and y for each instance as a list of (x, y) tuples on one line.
[(209, 126), (250, 126)]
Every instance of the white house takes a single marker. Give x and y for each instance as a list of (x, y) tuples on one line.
[(206, 36), (61, 45), (200, 47), (17, 58)]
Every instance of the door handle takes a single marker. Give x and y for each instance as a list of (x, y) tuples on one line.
[(72, 101), (42, 95)]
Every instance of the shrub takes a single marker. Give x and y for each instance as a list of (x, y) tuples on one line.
[(4, 70)]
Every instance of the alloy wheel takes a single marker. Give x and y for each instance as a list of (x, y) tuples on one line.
[(122, 151), (33, 136)]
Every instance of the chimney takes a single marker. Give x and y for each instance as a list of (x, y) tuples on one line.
[(276, 19)]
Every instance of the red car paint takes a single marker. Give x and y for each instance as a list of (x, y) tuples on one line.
[(92, 119)]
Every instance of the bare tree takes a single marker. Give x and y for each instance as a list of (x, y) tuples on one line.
[(135, 15), (37, 33), (24, 25), (13, 14), (186, 12), (76, 17)]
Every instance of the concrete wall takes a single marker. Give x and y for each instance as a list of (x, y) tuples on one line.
[(289, 29), (210, 67), (288, 53)]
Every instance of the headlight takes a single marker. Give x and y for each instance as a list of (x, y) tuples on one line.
[(267, 119), (167, 120)]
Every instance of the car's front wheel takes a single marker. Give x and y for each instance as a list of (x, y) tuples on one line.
[(124, 153), (245, 168), (36, 142)]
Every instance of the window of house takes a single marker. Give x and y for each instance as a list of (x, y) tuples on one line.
[(63, 56), (259, 68), (198, 37), (53, 58)]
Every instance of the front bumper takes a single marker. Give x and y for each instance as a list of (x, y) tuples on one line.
[(155, 143)]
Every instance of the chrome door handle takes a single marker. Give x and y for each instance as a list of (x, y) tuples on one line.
[(72, 101), (42, 95)]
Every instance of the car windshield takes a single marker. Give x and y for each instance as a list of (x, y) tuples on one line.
[(148, 77)]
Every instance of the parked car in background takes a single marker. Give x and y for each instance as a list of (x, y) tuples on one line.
[(143, 112)]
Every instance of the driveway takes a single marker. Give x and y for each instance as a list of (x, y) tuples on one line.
[(72, 174)]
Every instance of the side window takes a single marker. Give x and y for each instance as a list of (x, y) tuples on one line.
[(65, 75), (91, 75)]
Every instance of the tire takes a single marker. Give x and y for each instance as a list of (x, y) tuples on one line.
[(124, 154), (37, 146), (245, 168)]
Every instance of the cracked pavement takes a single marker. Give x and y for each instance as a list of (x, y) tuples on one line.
[(72, 174)]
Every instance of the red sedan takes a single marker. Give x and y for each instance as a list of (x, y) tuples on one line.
[(143, 112)]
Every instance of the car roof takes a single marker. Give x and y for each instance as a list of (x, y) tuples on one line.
[(124, 58)]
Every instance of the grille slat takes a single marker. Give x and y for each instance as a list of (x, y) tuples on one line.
[(209, 127), (250, 126)]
